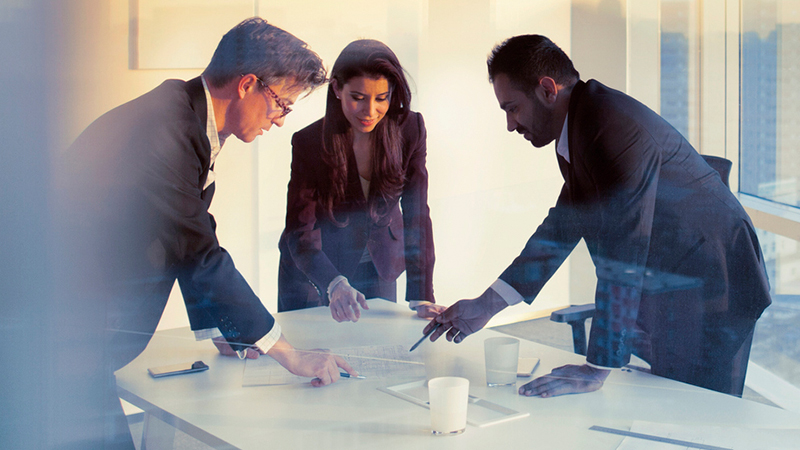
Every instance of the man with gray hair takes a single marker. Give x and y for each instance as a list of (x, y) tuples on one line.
[(134, 191)]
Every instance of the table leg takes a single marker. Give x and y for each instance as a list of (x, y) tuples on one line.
[(156, 435)]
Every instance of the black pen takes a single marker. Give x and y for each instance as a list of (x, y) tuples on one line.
[(425, 336)]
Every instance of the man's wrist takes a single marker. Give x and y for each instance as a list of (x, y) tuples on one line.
[(505, 290), (269, 340), (283, 352), (493, 302), (601, 373), (599, 367)]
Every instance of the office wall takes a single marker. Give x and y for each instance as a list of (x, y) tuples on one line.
[(95, 75), (489, 189)]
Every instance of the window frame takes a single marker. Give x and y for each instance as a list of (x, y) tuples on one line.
[(768, 215)]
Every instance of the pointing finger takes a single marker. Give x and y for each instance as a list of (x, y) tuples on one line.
[(344, 365), (362, 301)]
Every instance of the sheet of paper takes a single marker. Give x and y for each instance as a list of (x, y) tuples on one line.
[(709, 437), (480, 412), (374, 362)]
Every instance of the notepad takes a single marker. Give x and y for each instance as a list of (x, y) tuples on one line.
[(375, 362), (480, 412)]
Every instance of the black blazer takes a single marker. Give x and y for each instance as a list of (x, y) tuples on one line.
[(314, 250), (651, 212), (136, 219)]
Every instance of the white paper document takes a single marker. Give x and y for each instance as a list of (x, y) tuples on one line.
[(661, 436), (480, 412), (374, 362)]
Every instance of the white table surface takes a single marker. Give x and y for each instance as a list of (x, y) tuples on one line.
[(213, 406)]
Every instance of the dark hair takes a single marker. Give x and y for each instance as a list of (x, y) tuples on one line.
[(254, 46), (372, 59), (526, 59)]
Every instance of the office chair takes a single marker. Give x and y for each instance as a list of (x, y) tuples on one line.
[(576, 315)]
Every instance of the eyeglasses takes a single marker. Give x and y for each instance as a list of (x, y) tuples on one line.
[(280, 103)]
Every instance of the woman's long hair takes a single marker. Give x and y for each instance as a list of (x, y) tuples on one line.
[(372, 59)]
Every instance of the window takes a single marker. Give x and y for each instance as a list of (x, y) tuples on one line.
[(770, 112), (680, 67), (757, 66), (769, 170)]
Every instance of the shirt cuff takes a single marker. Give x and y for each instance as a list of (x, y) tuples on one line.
[(506, 292), (414, 303), (600, 367), (263, 344), (334, 282), (266, 342), (207, 333)]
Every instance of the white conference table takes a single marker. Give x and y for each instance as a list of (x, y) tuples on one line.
[(215, 408)]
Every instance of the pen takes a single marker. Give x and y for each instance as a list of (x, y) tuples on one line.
[(425, 336), (347, 375)]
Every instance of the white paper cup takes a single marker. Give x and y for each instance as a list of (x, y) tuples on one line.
[(502, 358), (448, 401)]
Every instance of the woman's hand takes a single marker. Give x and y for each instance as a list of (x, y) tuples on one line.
[(429, 310), (344, 301)]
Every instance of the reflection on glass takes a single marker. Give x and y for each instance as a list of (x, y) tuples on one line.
[(680, 67), (770, 111), (775, 341)]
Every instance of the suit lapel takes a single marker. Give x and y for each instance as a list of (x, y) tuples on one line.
[(563, 165), (575, 157)]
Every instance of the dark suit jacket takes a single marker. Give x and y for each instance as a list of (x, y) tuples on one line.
[(314, 250), (651, 212), (135, 219)]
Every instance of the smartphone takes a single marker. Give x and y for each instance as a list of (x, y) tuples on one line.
[(526, 366), (177, 369)]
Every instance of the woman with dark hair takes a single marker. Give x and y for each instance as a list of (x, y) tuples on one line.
[(346, 238)]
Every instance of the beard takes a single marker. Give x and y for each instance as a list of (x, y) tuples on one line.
[(540, 126)]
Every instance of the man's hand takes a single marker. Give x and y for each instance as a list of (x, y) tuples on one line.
[(569, 379), (429, 310), (466, 316), (225, 349), (344, 301), (317, 363)]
